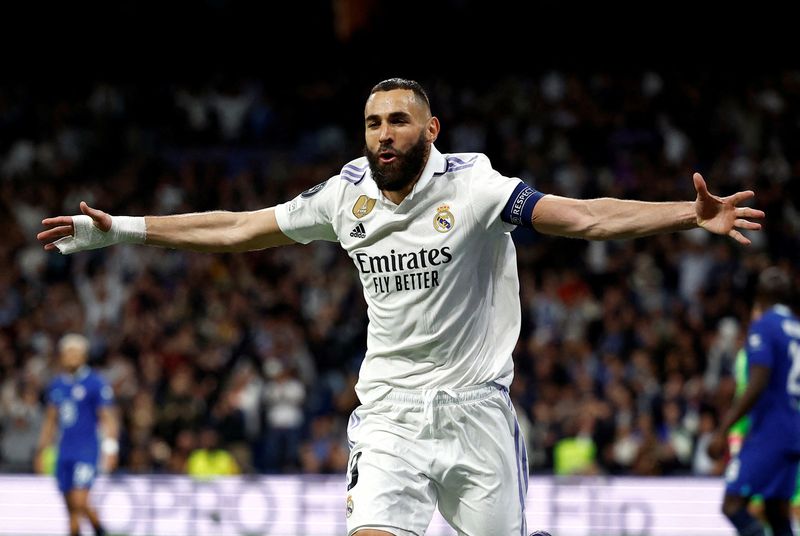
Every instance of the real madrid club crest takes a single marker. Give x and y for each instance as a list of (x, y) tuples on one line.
[(349, 509), (363, 206), (444, 220)]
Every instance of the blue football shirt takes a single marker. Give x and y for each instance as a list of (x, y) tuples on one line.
[(774, 341), (78, 398)]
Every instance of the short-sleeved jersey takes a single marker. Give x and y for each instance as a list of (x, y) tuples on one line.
[(438, 270), (774, 341), (78, 399)]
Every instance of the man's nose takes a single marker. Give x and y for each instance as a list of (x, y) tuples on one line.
[(386, 134)]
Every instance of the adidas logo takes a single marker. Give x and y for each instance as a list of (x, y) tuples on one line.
[(359, 231)]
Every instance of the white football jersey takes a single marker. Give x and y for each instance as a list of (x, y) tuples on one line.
[(439, 270)]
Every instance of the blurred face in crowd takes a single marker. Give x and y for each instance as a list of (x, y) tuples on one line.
[(74, 352), (399, 131)]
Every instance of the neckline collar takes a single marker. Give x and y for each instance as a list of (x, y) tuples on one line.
[(79, 374), (436, 164)]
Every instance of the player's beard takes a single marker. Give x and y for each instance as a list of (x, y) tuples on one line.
[(405, 168)]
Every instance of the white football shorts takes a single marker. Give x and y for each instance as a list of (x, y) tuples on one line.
[(458, 449)]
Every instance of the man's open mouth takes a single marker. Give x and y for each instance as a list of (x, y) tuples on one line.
[(387, 157)]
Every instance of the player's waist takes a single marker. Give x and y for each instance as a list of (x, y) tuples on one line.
[(442, 396), (79, 443)]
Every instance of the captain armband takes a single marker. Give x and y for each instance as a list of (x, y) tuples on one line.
[(519, 209)]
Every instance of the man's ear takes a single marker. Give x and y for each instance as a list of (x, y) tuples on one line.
[(432, 131)]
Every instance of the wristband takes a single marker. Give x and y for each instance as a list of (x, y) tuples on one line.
[(86, 236), (109, 446)]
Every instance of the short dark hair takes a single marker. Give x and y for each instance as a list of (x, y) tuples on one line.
[(403, 83), (774, 286)]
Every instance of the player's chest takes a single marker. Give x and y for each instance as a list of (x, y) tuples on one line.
[(76, 393), (401, 252), (368, 226)]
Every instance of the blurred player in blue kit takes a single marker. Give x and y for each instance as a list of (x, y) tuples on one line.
[(77, 402), (768, 461)]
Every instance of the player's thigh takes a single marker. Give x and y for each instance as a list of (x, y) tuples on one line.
[(387, 493), (762, 469), (64, 472), (78, 499), (388, 488), (484, 489), (83, 474)]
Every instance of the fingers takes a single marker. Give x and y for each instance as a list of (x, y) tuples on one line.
[(739, 197), (743, 224), (100, 218), (93, 213), (55, 233), (700, 184), (739, 237), (746, 224), (62, 226), (58, 220), (747, 212), (702, 189)]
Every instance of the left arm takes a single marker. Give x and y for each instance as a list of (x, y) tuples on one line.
[(46, 436), (607, 218), (109, 447)]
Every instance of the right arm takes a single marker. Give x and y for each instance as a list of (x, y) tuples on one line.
[(47, 435), (217, 231), (757, 382)]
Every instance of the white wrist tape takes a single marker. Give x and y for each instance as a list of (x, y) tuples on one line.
[(124, 229), (109, 446)]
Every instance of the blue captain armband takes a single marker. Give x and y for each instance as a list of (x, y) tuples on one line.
[(519, 209)]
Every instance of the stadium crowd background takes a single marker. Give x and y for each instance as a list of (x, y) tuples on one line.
[(625, 358)]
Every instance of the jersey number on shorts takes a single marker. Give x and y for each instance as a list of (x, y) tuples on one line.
[(82, 474), (353, 480), (793, 380)]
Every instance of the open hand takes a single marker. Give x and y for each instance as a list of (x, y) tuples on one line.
[(722, 215), (61, 226)]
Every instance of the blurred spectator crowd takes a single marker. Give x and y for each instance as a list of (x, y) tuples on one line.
[(624, 362)]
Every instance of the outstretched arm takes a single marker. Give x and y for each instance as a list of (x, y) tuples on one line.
[(204, 231), (607, 218)]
